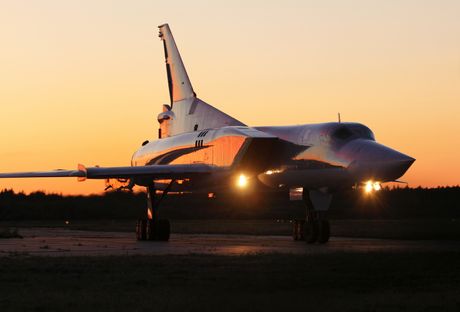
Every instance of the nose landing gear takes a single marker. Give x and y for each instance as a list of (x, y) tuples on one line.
[(311, 231), (315, 228)]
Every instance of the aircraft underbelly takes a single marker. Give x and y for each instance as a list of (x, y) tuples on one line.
[(309, 178)]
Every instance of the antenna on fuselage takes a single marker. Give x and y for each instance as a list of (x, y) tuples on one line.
[(338, 115)]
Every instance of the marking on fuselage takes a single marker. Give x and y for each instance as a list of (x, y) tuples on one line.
[(170, 156)]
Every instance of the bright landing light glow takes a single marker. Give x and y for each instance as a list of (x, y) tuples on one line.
[(242, 181), (372, 186), (368, 187)]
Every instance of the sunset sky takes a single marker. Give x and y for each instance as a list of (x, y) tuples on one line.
[(83, 81)]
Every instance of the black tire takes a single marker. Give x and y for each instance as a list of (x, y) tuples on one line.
[(310, 231), (151, 234), (138, 230), (164, 230), (141, 227), (295, 230), (324, 231)]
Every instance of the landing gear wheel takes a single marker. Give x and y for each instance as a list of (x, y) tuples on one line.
[(141, 230), (323, 231), (297, 230), (151, 233), (311, 232), (164, 230), (159, 231)]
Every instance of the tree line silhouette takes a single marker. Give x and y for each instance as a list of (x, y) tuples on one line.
[(396, 203)]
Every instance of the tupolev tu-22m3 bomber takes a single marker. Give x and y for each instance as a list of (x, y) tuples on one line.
[(201, 148)]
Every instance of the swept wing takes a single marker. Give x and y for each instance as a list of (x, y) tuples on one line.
[(141, 172)]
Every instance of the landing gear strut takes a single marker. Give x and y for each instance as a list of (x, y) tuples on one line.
[(153, 228), (315, 228)]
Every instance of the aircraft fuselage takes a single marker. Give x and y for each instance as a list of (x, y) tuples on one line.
[(332, 155)]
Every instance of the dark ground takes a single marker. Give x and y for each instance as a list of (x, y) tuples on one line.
[(336, 282), (428, 229), (361, 281)]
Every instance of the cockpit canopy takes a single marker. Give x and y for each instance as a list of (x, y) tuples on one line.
[(351, 131)]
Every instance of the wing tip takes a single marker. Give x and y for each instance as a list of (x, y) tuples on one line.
[(81, 168)]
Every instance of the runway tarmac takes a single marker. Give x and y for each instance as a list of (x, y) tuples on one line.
[(65, 242)]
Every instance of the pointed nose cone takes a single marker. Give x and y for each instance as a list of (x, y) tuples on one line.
[(371, 160), (390, 170)]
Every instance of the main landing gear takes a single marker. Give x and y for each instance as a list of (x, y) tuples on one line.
[(153, 228), (315, 228)]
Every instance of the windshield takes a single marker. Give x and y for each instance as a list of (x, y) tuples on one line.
[(352, 131)]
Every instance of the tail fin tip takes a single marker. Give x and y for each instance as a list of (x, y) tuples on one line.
[(180, 87)]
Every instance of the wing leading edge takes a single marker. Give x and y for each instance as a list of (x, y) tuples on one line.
[(153, 172)]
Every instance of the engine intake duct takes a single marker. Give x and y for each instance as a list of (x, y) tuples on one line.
[(259, 154)]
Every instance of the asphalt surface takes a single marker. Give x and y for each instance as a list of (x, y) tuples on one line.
[(65, 242)]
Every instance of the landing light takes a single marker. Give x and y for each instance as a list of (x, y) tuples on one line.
[(272, 171), (371, 186), (242, 181), (368, 188)]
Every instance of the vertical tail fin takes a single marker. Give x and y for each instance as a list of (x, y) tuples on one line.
[(187, 113), (179, 84)]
